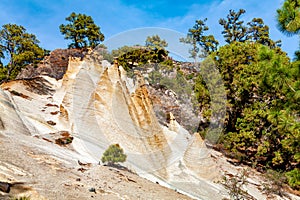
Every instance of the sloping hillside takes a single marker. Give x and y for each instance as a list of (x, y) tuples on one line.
[(42, 170), (94, 105)]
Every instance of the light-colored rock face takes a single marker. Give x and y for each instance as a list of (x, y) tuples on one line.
[(100, 106), (10, 119)]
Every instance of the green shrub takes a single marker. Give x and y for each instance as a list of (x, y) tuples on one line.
[(113, 154), (234, 186), (3, 73), (293, 178)]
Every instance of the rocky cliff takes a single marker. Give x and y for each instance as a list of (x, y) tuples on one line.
[(53, 65), (96, 104)]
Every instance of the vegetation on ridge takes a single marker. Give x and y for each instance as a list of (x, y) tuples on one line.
[(82, 31), (20, 48), (262, 127)]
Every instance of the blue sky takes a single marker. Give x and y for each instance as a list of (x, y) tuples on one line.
[(43, 17)]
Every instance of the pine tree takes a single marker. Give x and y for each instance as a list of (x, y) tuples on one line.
[(288, 20), (234, 28), (201, 43), (82, 30), (259, 32), (113, 154), (288, 17), (156, 42), (20, 47)]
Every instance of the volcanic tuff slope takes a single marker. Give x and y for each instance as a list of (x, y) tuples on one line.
[(94, 105)]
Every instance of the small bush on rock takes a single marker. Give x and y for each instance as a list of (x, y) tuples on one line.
[(113, 154)]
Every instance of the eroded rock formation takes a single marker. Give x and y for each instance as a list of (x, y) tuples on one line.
[(98, 105), (55, 65)]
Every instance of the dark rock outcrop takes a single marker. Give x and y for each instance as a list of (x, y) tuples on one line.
[(166, 101), (54, 65), (4, 187), (1, 125)]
